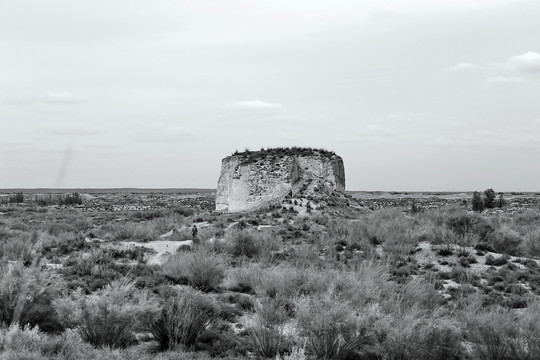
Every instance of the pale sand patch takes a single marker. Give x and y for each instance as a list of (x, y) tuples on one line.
[(162, 248)]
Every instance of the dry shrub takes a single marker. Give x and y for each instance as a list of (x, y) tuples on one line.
[(296, 353), (362, 286), (412, 335), (242, 243), (25, 339), (184, 319), (332, 329), (354, 235), (502, 334), (17, 246), (110, 316), (288, 282), (282, 281), (439, 235), (531, 243), (26, 296), (243, 278), (202, 269), (392, 229), (350, 232), (134, 231), (414, 293), (164, 224), (488, 333), (506, 241), (251, 243), (31, 343), (268, 332)]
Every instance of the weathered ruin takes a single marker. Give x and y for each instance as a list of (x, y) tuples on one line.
[(256, 179)]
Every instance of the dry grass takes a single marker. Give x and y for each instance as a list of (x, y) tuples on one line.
[(202, 269), (308, 279), (109, 317)]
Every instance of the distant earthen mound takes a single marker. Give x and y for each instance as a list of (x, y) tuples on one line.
[(256, 179)]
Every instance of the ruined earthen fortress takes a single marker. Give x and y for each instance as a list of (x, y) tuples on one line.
[(257, 179)]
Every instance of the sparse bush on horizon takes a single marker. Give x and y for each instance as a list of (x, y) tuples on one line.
[(477, 202), (16, 198), (66, 199), (487, 200)]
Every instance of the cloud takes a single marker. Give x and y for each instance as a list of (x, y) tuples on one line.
[(19, 101), (440, 141), (422, 119), (493, 138), (384, 13), (377, 131), (74, 130), (62, 98), (407, 115), (462, 66), (13, 144), (286, 135), (287, 118), (167, 134), (528, 62), (265, 111), (254, 104), (504, 80)]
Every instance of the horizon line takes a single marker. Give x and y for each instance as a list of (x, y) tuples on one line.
[(2, 190)]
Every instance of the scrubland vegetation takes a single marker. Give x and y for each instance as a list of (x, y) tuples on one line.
[(295, 150), (390, 284)]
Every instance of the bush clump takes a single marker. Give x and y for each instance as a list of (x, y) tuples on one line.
[(413, 335), (493, 261), (332, 330), (477, 202), (26, 296), (184, 319), (16, 198), (251, 244), (202, 269), (498, 333), (267, 333), (67, 199), (109, 317)]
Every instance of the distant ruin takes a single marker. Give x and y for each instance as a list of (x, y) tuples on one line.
[(255, 179)]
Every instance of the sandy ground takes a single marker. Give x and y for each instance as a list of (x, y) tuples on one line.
[(162, 248)]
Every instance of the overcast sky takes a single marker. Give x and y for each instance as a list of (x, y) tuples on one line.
[(413, 94)]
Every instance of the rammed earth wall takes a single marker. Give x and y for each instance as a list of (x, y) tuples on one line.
[(250, 181)]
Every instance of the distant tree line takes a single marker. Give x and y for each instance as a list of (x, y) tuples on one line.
[(487, 200)]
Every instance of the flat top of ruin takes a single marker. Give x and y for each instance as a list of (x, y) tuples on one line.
[(284, 151)]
